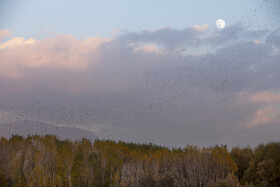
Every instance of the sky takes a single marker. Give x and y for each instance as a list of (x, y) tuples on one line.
[(143, 71)]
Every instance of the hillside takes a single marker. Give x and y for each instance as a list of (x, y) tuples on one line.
[(25, 128)]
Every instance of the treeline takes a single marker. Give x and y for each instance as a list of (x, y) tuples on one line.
[(48, 161), (258, 167)]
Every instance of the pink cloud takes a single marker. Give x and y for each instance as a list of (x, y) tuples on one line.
[(268, 113), (257, 42), (147, 49), (61, 52), (262, 117), (200, 28), (264, 97), (4, 33)]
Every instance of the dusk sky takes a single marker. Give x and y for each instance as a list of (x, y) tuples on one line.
[(144, 71)]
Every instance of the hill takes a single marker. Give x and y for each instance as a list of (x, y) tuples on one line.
[(24, 128)]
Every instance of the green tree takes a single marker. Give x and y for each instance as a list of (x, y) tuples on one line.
[(242, 158)]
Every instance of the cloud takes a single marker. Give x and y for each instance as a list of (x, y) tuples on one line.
[(63, 51), (263, 117), (4, 33), (265, 97), (257, 42), (268, 108), (16, 42), (200, 28), (167, 37), (139, 83), (196, 36), (147, 49)]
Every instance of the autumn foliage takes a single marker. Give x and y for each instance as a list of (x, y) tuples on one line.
[(47, 161)]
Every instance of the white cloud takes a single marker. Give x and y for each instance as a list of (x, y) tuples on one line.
[(16, 42)]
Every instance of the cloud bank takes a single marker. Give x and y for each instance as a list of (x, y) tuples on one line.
[(167, 86)]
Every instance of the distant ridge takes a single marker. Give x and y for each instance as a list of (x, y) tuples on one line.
[(25, 128)]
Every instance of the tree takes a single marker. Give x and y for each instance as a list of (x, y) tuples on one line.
[(264, 168), (242, 158), (68, 158)]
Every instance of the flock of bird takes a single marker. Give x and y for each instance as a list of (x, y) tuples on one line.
[(172, 84)]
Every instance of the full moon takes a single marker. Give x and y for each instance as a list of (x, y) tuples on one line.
[(220, 23)]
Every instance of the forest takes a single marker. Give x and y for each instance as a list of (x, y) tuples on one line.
[(47, 161)]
